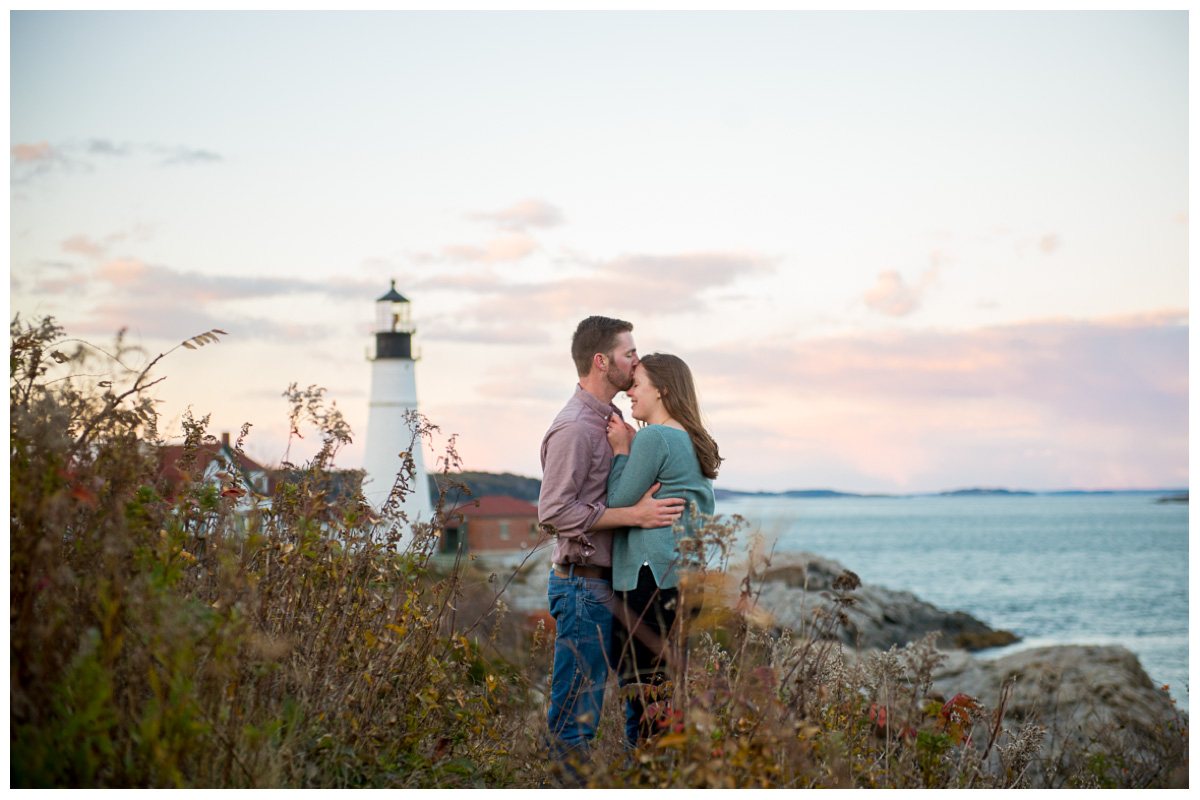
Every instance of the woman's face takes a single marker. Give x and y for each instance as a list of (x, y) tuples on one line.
[(644, 397)]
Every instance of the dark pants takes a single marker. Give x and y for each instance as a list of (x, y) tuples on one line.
[(641, 631)]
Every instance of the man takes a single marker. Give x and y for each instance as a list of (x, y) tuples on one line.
[(576, 458)]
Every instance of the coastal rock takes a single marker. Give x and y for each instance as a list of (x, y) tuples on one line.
[(795, 584), (1099, 707), (1095, 701)]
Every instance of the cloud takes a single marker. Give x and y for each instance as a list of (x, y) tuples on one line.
[(185, 155), (32, 153), (170, 154), (522, 215), (29, 161), (83, 245), (130, 272), (32, 160), (508, 312), (105, 147), (646, 285), (66, 280), (139, 279), (180, 320), (504, 248), (892, 296), (452, 329), (938, 410)]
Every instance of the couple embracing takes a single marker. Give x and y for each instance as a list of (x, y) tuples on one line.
[(614, 495)]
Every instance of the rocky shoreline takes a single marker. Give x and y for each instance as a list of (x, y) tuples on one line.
[(880, 618), (1085, 696), (1088, 698)]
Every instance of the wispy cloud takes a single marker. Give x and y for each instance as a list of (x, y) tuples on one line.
[(179, 319), (525, 214), (83, 245), (56, 278), (86, 245), (169, 154), (512, 247), (450, 328), (137, 278), (32, 153), (648, 285), (933, 409), (186, 155), (892, 296), (31, 160)]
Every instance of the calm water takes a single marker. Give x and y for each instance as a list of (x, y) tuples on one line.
[(1084, 569)]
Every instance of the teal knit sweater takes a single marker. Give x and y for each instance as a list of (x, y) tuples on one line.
[(659, 453)]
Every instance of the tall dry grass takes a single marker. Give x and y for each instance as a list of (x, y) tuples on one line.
[(211, 636)]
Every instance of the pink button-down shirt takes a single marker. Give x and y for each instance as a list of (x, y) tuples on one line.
[(576, 458)]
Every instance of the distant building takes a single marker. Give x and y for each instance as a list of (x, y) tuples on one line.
[(208, 468), (492, 524)]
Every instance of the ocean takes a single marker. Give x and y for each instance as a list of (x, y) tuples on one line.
[(1053, 569)]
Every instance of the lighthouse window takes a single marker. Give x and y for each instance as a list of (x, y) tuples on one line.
[(504, 530)]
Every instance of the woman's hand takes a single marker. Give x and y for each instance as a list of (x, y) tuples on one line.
[(620, 434)]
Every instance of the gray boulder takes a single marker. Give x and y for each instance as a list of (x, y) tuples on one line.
[(1096, 702), (795, 584)]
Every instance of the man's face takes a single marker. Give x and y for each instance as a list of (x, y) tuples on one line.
[(621, 362)]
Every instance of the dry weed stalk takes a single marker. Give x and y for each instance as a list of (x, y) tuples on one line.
[(216, 635)]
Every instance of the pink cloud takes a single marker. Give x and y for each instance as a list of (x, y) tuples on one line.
[(512, 247), (72, 282), (32, 153), (646, 285), (125, 271), (892, 296), (930, 410), (524, 214), (83, 245)]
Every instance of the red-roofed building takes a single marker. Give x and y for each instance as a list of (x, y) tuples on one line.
[(491, 524), (209, 469)]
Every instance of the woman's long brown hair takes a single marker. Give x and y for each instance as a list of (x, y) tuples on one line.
[(673, 380)]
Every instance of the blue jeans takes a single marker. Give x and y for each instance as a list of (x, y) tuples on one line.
[(582, 611)]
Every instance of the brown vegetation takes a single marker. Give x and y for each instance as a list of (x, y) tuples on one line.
[(222, 638)]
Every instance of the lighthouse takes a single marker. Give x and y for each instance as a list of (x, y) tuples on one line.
[(394, 393)]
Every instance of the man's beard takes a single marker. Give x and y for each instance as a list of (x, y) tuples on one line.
[(622, 380)]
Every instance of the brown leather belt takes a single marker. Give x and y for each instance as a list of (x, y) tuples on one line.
[(583, 571)]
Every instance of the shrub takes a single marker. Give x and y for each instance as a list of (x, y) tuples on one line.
[(208, 635)]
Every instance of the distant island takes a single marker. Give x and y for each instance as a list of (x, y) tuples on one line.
[(527, 489), (482, 484)]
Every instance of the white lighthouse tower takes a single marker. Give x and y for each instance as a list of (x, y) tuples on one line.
[(394, 392)]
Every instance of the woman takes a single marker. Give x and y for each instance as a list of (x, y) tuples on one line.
[(673, 449)]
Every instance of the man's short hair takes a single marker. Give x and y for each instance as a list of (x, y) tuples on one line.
[(596, 335)]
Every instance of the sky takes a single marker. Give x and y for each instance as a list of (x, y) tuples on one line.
[(901, 252)]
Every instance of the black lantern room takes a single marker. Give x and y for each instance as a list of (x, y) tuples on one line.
[(393, 326)]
